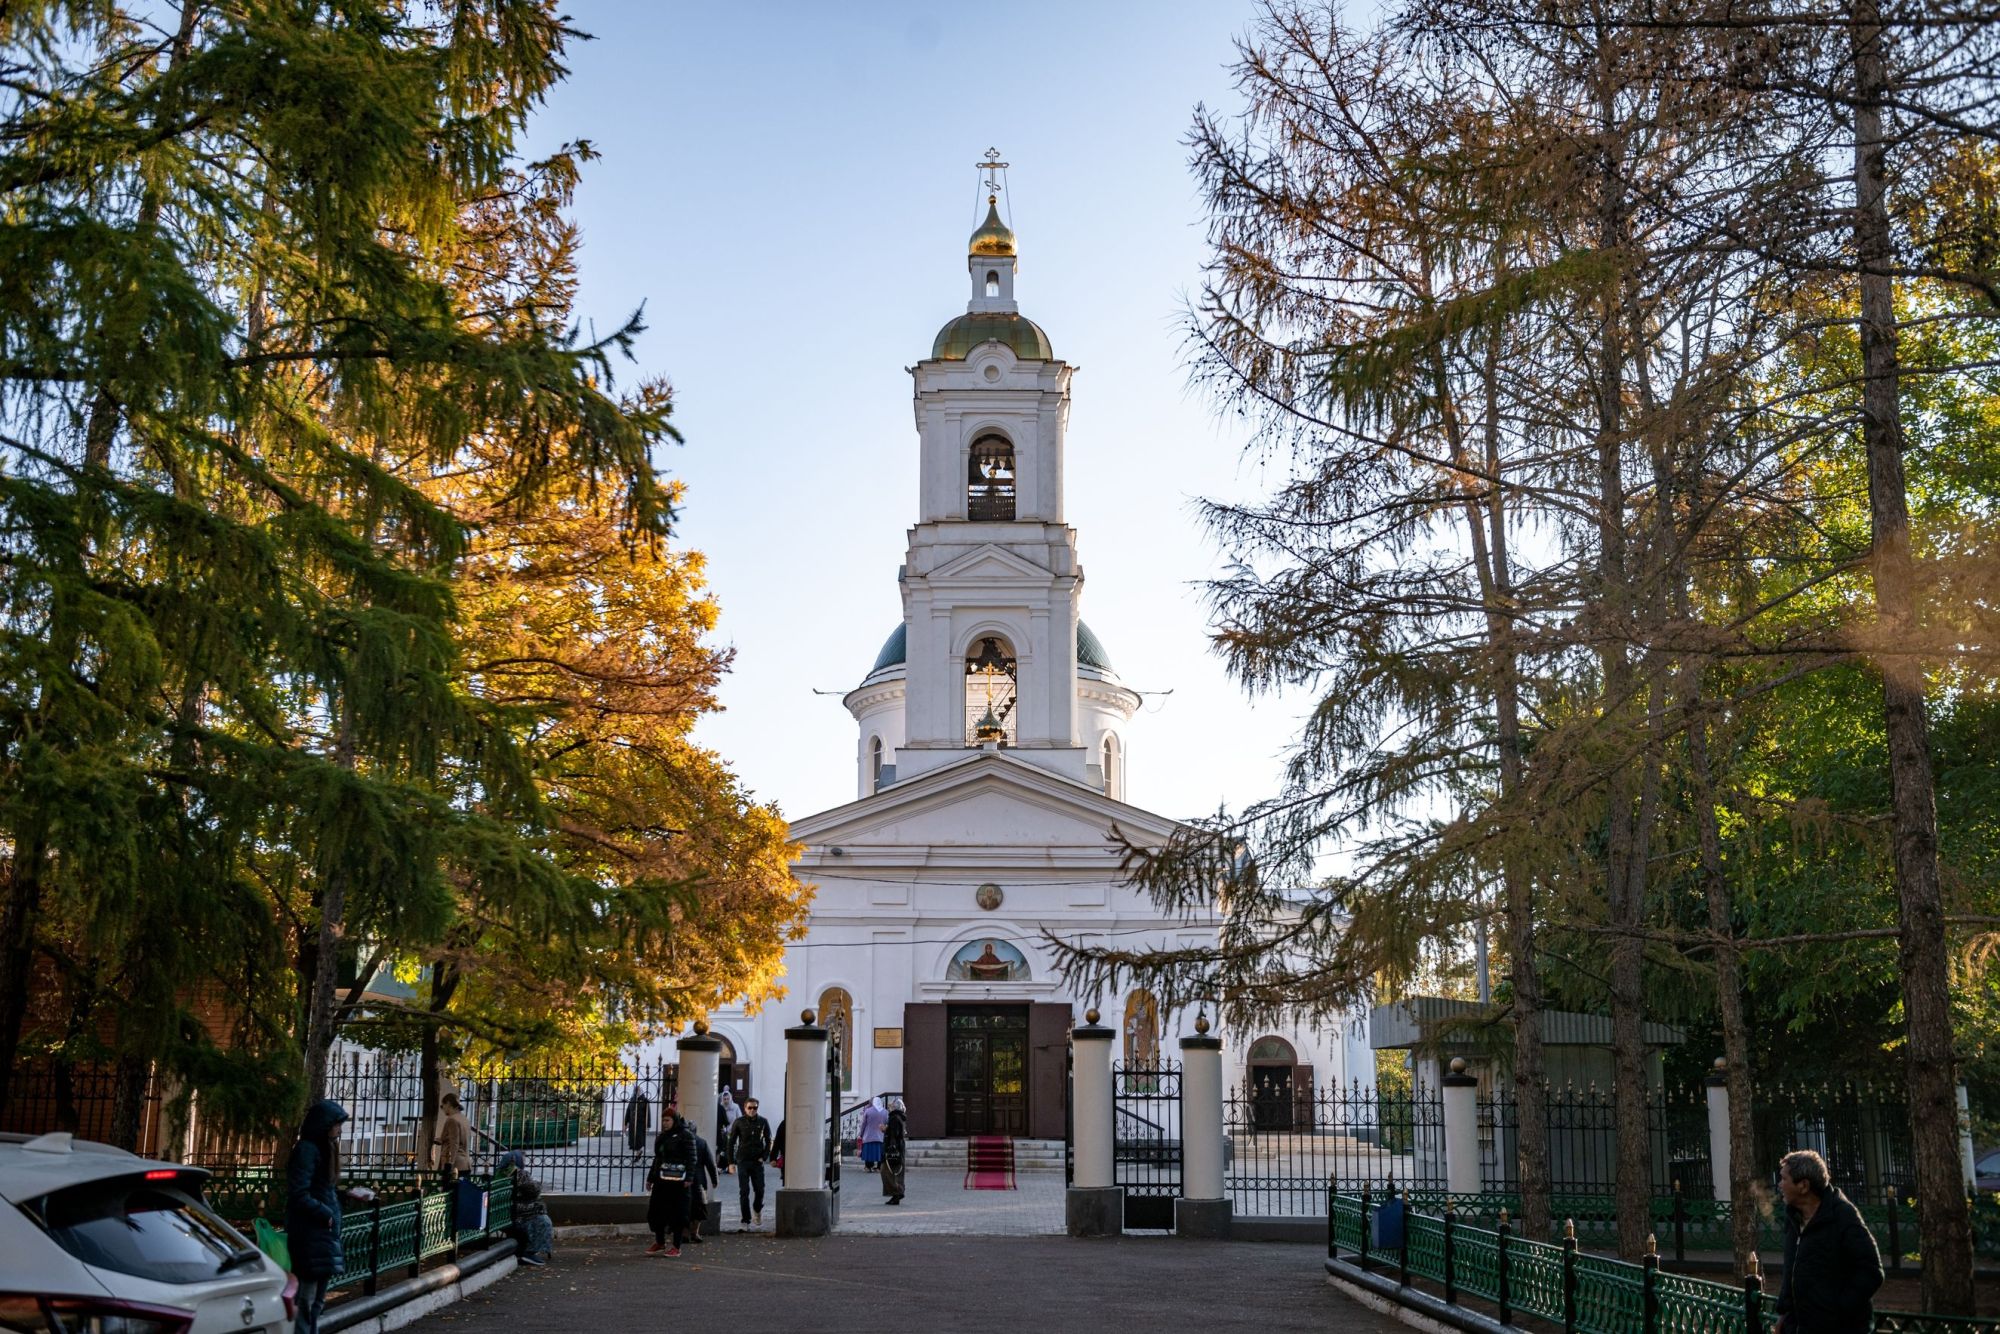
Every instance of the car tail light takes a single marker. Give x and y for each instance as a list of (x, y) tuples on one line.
[(291, 1296), (89, 1315)]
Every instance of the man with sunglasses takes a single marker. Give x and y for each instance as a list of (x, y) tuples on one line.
[(749, 1147)]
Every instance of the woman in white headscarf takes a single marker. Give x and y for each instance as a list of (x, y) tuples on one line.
[(895, 1149)]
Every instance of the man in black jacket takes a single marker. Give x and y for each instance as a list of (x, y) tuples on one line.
[(749, 1147), (1832, 1268)]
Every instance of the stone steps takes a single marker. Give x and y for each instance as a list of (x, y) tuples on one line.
[(1030, 1155)]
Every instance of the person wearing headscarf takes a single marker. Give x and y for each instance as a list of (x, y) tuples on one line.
[(532, 1229), (452, 1145), (705, 1180), (726, 1115), (668, 1181), (312, 1210), (895, 1151), (873, 1118)]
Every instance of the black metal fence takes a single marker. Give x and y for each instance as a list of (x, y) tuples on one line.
[(1862, 1130), (1344, 1137), (1583, 1141), (582, 1127)]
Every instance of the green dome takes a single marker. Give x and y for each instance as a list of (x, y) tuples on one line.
[(1089, 650), (957, 339)]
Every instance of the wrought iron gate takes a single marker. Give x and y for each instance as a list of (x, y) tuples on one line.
[(833, 1119), (1146, 1140)]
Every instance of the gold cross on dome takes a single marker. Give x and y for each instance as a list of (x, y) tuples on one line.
[(991, 166)]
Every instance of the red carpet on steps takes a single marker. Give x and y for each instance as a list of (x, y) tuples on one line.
[(989, 1162)]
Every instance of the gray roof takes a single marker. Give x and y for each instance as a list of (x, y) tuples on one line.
[(1408, 1023)]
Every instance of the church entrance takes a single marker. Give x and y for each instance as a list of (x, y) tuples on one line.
[(987, 1072)]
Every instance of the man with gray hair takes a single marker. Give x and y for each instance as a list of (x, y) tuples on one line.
[(1832, 1267)]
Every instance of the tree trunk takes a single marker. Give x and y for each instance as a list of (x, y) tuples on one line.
[(132, 1076), (1943, 1221), (1747, 1194), (430, 1064)]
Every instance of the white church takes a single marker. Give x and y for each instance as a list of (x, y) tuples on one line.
[(990, 769)]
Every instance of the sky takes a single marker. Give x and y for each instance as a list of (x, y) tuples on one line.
[(786, 190)]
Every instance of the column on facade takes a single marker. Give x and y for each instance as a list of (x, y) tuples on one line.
[(1461, 1130), (696, 1085), (805, 1204), (1093, 1206), (1203, 1210), (1718, 1128), (1967, 1155)]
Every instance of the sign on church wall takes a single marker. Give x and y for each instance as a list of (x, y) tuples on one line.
[(888, 1037)]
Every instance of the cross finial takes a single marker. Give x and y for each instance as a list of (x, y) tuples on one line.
[(992, 165)]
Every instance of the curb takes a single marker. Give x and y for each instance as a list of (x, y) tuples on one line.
[(1412, 1306), (415, 1298)]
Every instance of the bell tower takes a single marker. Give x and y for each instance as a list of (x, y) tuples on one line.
[(991, 582)]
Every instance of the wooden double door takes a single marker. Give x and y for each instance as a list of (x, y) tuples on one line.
[(984, 1067), (987, 1070)]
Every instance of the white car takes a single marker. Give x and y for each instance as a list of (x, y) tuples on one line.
[(95, 1240)]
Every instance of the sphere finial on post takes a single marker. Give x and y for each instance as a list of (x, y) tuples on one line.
[(1090, 1015), (806, 1017)]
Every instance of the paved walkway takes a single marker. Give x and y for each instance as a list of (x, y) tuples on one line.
[(938, 1204), (917, 1283)]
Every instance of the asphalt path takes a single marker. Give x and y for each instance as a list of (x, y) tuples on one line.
[(755, 1282)]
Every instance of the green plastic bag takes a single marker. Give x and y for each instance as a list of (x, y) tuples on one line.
[(271, 1241)]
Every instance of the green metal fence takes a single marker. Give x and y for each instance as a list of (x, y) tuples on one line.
[(388, 1236), (1683, 1224), (1583, 1293)]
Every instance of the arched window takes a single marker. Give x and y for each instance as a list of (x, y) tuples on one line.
[(1272, 1051), (990, 676), (875, 764), (1142, 1029), (989, 480), (992, 283), (1114, 769), (836, 1016)]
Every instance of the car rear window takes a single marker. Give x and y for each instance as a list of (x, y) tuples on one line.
[(150, 1229)]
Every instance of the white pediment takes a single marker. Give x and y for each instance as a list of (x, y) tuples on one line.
[(989, 562), (988, 801)]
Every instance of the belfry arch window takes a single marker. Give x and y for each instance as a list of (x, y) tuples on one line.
[(989, 480), (990, 679), (875, 764), (992, 283), (1114, 768)]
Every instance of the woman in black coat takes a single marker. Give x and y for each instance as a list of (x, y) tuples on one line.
[(1832, 1267), (312, 1209), (669, 1179)]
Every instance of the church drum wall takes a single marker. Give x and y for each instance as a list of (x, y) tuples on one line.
[(923, 1069), (1048, 1039)]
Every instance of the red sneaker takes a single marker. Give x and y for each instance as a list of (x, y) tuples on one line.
[(673, 1252), (656, 1248)]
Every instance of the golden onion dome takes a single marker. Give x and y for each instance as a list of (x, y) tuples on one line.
[(994, 237)]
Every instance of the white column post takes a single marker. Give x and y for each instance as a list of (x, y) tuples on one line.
[(1203, 1210), (1461, 1130), (1093, 1206), (1718, 1129), (701, 1058), (1966, 1153), (805, 1204)]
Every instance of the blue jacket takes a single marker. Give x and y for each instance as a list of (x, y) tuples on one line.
[(312, 1195)]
